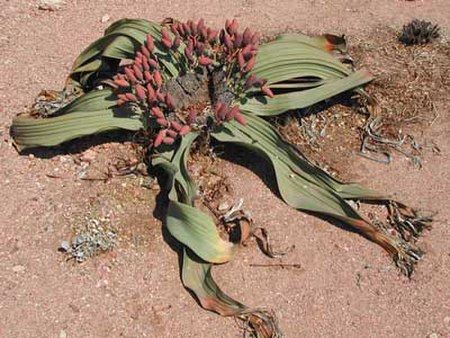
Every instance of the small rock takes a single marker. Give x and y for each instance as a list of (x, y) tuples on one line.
[(50, 5), (223, 206), (88, 156), (433, 335), (65, 246), (105, 18), (31, 156), (447, 321), (18, 268), (62, 334)]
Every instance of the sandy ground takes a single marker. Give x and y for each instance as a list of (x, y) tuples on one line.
[(347, 286)]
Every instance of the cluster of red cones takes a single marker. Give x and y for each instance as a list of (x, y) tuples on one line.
[(142, 82)]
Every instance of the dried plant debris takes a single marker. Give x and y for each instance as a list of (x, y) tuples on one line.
[(419, 32), (95, 236)]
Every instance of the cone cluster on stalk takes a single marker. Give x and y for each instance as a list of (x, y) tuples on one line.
[(201, 48)]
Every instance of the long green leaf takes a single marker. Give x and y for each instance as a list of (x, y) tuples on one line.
[(89, 114), (121, 41), (197, 277), (264, 106), (197, 232), (302, 185), (304, 66), (186, 223)]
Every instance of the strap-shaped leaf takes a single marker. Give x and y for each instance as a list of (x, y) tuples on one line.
[(303, 66), (89, 114), (121, 40), (186, 223), (197, 277), (198, 232), (302, 185), (264, 106)]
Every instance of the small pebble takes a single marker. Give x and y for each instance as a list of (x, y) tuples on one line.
[(65, 246), (223, 206), (105, 18), (50, 5), (62, 334), (18, 268), (88, 156)]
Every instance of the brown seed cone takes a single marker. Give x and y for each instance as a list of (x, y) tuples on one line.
[(223, 113), (266, 90), (151, 95), (150, 43), (168, 140), (145, 51), (212, 35), (181, 30), (145, 64), (167, 43), (147, 76), (159, 138), (201, 24), (153, 64), (172, 133), (228, 42), (187, 29), (157, 112), (204, 60), (218, 108), (241, 119), (138, 61), (175, 28), (184, 130), (237, 40), (250, 64), (250, 81), (170, 101), (188, 54), (122, 97), (176, 42), (234, 26), (241, 60), (255, 38), (138, 72), (190, 44), (259, 83), (193, 27), (199, 48), (162, 122), (232, 113), (121, 83), (160, 96), (247, 36), (175, 125), (157, 78), (140, 92), (248, 52), (130, 75), (165, 34), (131, 97), (204, 33), (227, 24)]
